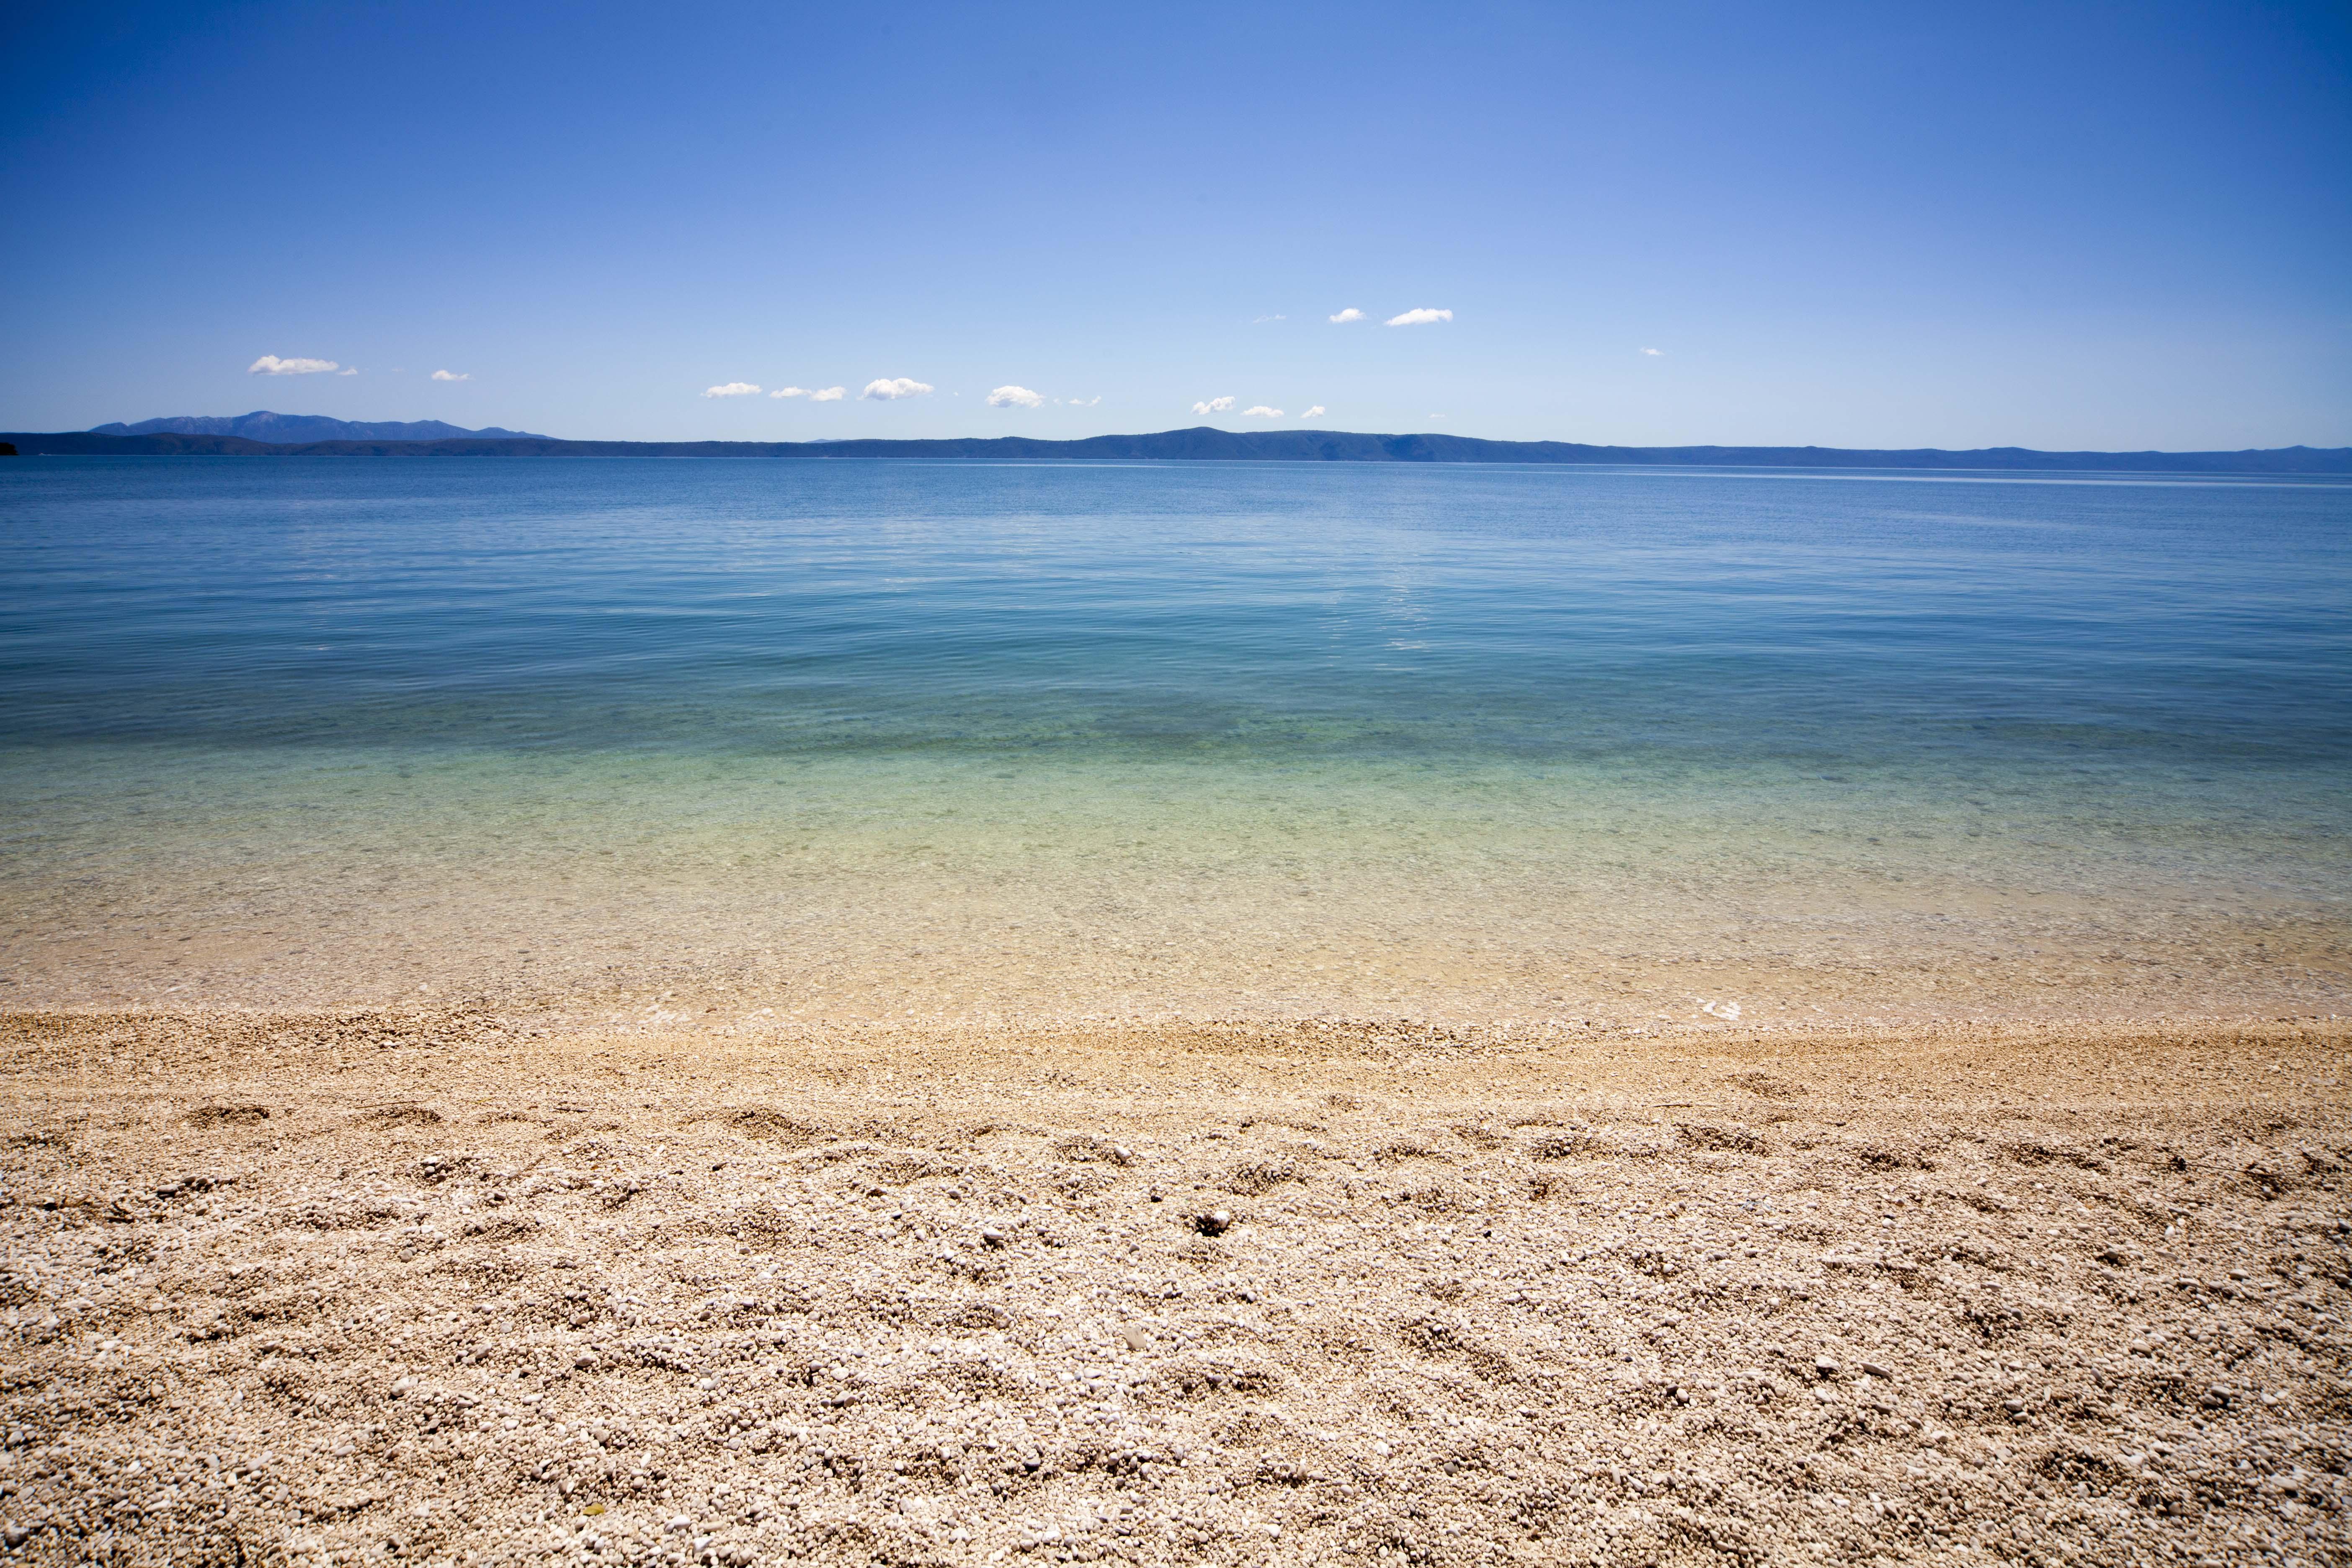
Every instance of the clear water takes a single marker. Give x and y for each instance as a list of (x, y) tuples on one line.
[(979, 740)]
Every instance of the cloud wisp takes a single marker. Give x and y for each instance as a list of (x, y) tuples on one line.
[(1419, 318), (271, 365), (734, 389), (1015, 397), (829, 394), (1261, 412), (890, 391), (1314, 413), (1213, 405), (348, 370), (453, 375), (1347, 315), (1656, 354)]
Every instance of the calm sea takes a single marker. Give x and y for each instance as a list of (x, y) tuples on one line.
[(990, 740)]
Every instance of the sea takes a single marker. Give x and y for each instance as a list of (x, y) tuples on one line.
[(1001, 743)]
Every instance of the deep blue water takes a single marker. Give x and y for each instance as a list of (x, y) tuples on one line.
[(1249, 610)]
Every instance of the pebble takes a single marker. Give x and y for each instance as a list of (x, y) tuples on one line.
[(1216, 1222), (1824, 1367)]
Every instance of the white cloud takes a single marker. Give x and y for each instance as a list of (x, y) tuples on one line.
[(1014, 397), (1656, 354), (1261, 412), (1418, 317), (889, 391), (1080, 402), (1344, 316), (1255, 319), (732, 389), (830, 395), (1314, 413), (790, 392), (1213, 405), (348, 370), (271, 365), (451, 375)]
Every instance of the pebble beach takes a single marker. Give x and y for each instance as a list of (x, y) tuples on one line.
[(459, 1286)]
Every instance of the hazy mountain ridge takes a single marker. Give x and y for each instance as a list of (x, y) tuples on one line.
[(1203, 443), (296, 429)]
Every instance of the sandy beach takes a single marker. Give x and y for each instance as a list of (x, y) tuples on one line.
[(463, 1287)]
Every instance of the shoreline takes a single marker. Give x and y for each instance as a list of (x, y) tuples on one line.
[(843, 1294)]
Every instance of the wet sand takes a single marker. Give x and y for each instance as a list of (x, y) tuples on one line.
[(476, 1287)]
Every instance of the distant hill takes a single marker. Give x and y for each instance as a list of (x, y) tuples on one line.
[(294, 429), (1205, 444)]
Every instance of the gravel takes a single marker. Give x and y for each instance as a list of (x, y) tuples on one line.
[(314, 1289)]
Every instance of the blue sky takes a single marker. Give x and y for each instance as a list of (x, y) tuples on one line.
[(2059, 225)]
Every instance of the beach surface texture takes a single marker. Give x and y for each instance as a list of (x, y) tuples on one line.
[(703, 1287)]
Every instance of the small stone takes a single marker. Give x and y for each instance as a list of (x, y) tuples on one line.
[(1874, 1370), (992, 1237), (1136, 1337), (594, 1510), (1216, 1222), (1824, 1367)]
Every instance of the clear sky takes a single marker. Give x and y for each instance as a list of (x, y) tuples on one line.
[(2053, 225)]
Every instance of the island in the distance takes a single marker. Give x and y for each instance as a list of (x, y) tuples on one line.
[(178, 436), (297, 429)]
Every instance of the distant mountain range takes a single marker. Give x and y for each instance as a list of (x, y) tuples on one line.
[(295, 429), (1199, 444)]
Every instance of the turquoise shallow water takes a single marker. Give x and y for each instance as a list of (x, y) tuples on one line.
[(988, 739)]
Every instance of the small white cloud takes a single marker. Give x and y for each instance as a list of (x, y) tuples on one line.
[(1419, 318), (830, 395), (348, 370), (1314, 413), (1344, 316), (732, 389), (1255, 319), (271, 365), (452, 376), (1014, 397), (890, 391), (1656, 354), (790, 392), (1213, 405), (1079, 402), (1261, 412)]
